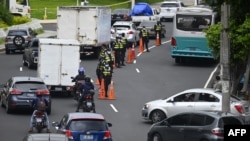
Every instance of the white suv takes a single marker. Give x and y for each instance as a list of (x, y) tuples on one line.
[(169, 8)]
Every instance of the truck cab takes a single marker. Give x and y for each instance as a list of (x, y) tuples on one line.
[(18, 8)]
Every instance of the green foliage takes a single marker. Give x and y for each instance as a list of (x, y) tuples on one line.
[(213, 37), (20, 20), (5, 15), (1, 41)]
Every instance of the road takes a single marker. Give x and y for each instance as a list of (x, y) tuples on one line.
[(153, 75)]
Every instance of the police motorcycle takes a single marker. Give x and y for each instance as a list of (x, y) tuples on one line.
[(88, 104), (76, 92), (39, 121)]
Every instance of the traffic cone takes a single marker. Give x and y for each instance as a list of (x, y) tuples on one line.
[(157, 40), (111, 94), (133, 56), (129, 60), (141, 48), (97, 82), (102, 90)]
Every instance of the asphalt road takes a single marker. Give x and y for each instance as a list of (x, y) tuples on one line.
[(152, 75)]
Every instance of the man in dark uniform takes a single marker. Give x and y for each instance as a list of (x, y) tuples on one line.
[(124, 48), (117, 49), (144, 36), (158, 29)]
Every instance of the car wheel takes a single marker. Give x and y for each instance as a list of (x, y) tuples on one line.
[(24, 61), (157, 116), (157, 137), (18, 41), (29, 64)]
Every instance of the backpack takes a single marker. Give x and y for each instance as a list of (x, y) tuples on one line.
[(41, 105)]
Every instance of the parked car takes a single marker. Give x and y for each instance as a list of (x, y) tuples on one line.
[(84, 127), (19, 92), (127, 27), (30, 55), (193, 126), (17, 38), (120, 14), (195, 99), (45, 137), (149, 25), (169, 8)]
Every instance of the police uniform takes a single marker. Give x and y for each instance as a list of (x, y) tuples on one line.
[(107, 76), (123, 49), (117, 48), (144, 36), (158, 28)]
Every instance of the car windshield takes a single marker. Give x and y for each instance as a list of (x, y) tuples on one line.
[(87, 125), (17, 32), (25, 86)]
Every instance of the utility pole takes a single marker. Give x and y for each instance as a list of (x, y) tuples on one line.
[(225, 57)]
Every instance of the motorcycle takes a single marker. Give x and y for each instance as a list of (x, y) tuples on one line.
[(39, 121), (88, 104), (76, 92)]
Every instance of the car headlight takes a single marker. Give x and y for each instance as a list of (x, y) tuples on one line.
[(146, 106)]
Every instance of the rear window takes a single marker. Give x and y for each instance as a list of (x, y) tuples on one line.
[(121, 27), (229, 121), (24, 86), (17, 32), (170, 5), (88, 125), (121, 11)]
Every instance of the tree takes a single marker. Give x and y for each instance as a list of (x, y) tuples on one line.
[(239, 35)]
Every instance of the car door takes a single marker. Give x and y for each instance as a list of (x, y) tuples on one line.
[(207, 102), (175, 128), (180, 103)]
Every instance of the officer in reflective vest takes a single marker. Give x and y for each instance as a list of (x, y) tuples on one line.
[(107, 76), (158, 28), (117, 49), (144, 36), (123, 49)]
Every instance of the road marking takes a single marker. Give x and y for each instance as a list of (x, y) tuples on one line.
[(113, 107), (211, 76), (138, 71)]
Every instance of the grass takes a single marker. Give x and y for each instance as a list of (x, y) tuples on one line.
[(38, 7)]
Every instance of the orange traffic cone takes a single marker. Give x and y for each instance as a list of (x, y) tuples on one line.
[(133, 56), (157, 40), (111, 94), (97, 82), (102, 90), (129, 60), (141, 48)]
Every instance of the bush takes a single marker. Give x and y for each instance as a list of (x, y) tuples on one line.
[(20, 20), (5, 15)]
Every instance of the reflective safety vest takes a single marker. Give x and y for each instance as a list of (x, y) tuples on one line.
[(118, 45), (158, 27), (124, 41), (107, 71), (144, 33)]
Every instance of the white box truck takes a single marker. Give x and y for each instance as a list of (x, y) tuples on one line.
[(58, 60), (90, 25)]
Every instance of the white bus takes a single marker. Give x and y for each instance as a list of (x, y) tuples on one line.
[(188, 39)]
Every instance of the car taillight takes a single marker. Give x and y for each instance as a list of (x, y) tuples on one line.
[(107, 135), (15, 91), (130, 32), (112, 32), (239, 108), (218, 132), (173, 42), (42, 92), (125, 16), (69, 134)]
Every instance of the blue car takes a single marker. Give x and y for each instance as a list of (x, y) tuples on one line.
[(84, 127)]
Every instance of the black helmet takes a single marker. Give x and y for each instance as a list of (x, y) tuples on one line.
[(87, 79)]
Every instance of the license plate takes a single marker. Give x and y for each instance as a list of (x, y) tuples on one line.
[(87, 137), (30, 95), (38, 120), (58, 88), (192, 48), (89, 104)]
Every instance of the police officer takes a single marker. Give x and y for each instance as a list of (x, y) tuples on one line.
[(158, 29), (144, 36), (117, 49), (107, 76), (99, 70), (123, 48)]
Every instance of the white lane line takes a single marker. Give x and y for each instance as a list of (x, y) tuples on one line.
[(138, 71), (211, 76), (113, 107)]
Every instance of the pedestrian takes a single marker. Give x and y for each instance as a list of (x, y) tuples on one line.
[(99, 70), (218, 84), (107, 76), (123, 48), (117, 49), (145, 38), (158, 29)]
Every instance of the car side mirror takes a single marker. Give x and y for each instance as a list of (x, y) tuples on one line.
[(109, 124)]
